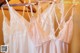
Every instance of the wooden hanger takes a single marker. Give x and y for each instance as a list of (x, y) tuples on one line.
[(25, 4), (3, 2), (21, 4)]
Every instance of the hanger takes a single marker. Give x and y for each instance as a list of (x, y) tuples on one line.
[(26, 4), (20, 4), (3, 2)]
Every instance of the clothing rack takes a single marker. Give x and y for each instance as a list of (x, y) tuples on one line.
[(26, 4), (20, 4)]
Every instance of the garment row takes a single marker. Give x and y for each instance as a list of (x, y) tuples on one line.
[(38, 35)]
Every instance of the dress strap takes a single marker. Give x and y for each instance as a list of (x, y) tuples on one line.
[(7, 3), (64, 17), (52, 11), (72, 13), (39, 10), (3, 12), (23, 10), (61, 7), (32, 14)]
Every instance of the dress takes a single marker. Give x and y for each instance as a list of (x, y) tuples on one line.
[(38, 35)]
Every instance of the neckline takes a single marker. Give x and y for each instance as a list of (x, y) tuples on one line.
[(38, 18), (58, 36)]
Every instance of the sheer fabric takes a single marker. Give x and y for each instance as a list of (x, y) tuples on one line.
[(38, 35)]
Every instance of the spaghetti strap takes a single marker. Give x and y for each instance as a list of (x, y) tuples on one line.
[(67, 29), (64, 17), (7, 4), (6, 28), (3, 12), (31, 9), (39, 11), (23, 11)]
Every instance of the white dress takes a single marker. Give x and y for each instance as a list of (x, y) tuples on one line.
[(38, 35)]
